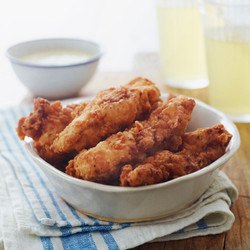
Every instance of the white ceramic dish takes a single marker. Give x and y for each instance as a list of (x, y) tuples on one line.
[(54, 81), (129, 204)]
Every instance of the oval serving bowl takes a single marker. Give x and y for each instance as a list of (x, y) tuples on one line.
[(133, 204)]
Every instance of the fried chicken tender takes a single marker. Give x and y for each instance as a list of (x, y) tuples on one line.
[(44, 123), (142, 175), (111, 110), (102, 163), (200, 148)]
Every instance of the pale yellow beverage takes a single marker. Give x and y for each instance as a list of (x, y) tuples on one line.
[(228, 61), (182, 51)]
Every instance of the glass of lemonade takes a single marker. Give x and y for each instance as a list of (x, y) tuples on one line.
[(182, 52), (227, 39)]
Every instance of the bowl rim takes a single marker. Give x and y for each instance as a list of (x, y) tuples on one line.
[(234, 146), (20, 62)]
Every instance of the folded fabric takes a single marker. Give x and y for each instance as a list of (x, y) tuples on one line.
[(34, 216)]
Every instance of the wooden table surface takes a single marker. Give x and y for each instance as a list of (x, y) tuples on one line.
[(237, 169)]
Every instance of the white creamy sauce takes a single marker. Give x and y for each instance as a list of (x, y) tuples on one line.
[(56, 57)]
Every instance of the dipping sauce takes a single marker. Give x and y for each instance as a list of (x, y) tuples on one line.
[(56, 56)]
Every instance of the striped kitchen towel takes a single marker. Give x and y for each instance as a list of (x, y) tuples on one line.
[(33, 216)]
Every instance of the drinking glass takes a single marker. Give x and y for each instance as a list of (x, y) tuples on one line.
[(182, 52), (227, 38)]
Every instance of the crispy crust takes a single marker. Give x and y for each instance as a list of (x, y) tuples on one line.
[(111, 111), (200, 148), (102, 163)]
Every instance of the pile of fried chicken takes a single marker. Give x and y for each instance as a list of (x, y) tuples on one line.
[(125, 136)]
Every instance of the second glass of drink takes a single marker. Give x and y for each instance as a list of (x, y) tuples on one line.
[(227, 39)]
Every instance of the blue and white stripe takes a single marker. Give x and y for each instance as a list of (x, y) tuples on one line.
[(48, 207)]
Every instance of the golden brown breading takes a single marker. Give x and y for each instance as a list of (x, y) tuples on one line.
[(200, 148), (145, 174), (44, 123), (111, 110), (102, 163)]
